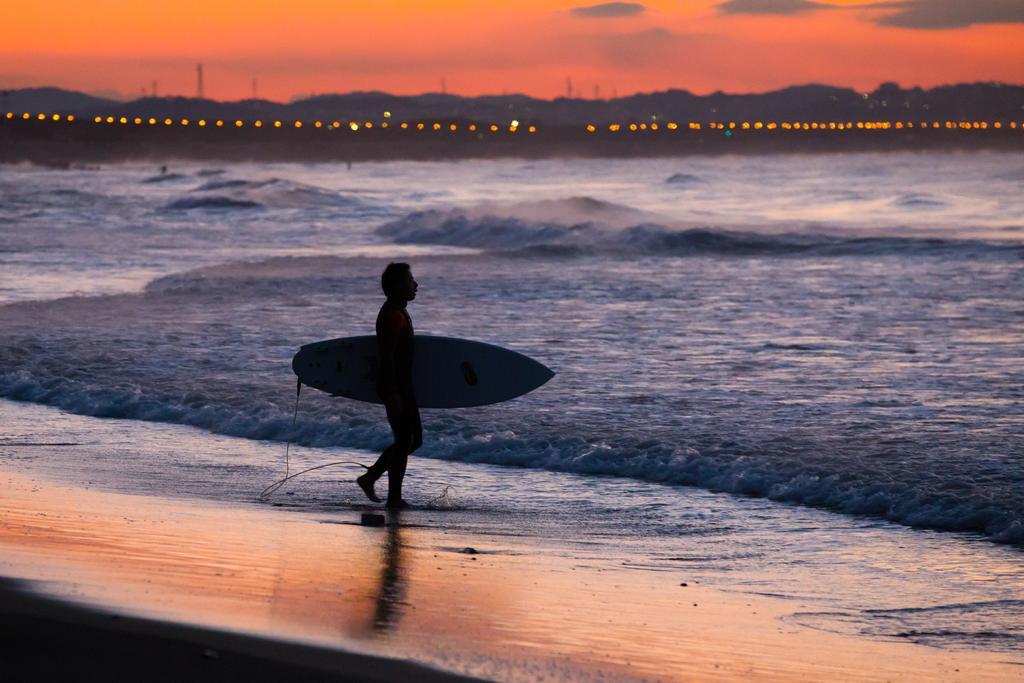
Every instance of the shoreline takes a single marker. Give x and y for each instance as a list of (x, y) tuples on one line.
[(304, 587)]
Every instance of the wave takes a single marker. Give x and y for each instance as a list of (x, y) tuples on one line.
[(448, 438), (992, 625), (493, 231), (223, 184), (163, 178), (212, 202), (918, 200), (276, 193), (684, 179)]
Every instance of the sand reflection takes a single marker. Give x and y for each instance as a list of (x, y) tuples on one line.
[(391, 590)]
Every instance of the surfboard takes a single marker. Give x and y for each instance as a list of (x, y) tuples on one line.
[(447, 372)]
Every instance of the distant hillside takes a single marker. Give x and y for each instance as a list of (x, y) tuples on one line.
[(48, 100), (989, 101)]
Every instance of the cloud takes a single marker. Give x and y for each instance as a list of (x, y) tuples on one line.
[(783, 7), (940, 14), (644, 49), (914, 14), (608, 10)]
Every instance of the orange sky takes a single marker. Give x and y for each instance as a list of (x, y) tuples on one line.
[(317, 46)]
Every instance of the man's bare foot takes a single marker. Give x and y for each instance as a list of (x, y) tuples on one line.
[(397, 505), (366, 484)]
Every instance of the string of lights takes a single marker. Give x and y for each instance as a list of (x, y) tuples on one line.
[(514, 126)]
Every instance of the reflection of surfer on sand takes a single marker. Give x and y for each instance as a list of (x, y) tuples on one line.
[(394, 384), (391, 593)]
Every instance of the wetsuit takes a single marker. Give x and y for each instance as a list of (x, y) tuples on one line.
[(394, 386)]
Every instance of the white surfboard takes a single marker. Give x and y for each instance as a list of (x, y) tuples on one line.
[(447, 372)]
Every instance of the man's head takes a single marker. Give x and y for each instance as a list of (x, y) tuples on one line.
[(398, 283)]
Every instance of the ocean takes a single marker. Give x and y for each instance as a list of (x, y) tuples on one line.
[(784, 361)]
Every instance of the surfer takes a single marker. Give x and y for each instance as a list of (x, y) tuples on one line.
[(394, 384)]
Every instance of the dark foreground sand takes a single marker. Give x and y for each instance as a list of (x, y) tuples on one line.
[(45, 639)]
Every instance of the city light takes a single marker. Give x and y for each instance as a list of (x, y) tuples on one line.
[(590, 128)]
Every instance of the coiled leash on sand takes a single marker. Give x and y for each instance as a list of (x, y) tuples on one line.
[(272, 489), (443, 501)]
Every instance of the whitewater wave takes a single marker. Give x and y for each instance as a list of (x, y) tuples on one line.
[(487, 228), (648, 460), (272, 193)]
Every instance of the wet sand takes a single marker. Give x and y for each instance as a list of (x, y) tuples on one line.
[(265, 587)]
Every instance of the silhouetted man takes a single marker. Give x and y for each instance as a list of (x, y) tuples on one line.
[(394, 384)]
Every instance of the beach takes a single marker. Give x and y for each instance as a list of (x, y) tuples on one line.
[(304, 588), (186, 592)]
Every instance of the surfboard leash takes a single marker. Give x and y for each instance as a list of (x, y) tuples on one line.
[(272, 489), (443, 501)]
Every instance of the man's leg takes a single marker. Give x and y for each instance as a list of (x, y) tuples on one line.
[(412, 429), (400, 432)]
